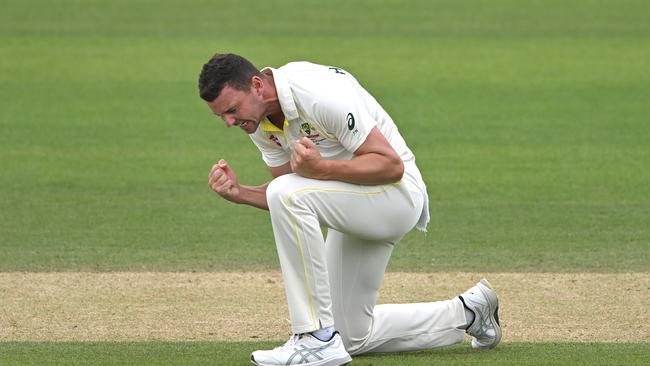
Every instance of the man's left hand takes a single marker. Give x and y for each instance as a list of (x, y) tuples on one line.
[(306, 159)]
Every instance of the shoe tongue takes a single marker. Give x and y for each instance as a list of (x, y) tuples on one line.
[(292, 340)]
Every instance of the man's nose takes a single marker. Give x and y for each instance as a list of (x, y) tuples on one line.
[(229, 120)]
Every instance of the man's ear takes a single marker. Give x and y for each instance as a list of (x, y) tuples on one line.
[(257, 84)]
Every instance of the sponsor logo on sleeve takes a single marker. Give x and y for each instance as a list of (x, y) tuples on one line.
[(351, 124), (350, 121)]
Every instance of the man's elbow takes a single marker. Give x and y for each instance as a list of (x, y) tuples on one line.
[(397, 171)]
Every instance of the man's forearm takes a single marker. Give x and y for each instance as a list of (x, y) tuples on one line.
[(375, 162), (368, 169), (253, 195)]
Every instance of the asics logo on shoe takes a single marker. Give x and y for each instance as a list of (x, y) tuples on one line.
[(305, 352)]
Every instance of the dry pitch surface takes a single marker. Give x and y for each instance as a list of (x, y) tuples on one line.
[(535, 307)]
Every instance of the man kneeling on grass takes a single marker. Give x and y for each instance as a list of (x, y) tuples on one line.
[(337, 160)]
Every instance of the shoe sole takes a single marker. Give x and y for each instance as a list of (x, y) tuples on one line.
[(493, 304), (332, 362)]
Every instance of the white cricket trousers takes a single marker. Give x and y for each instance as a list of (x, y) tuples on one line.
[(335, 282)]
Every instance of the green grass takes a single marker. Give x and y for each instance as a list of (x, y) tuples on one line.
[(203, 353), (529, 121)]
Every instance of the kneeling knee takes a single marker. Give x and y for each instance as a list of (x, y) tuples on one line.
[(279, 190), (355, 342)]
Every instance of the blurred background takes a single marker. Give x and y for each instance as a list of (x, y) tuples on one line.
[(529, 121)]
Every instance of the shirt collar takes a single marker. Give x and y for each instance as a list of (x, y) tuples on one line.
[(267, 126), (283, 89)]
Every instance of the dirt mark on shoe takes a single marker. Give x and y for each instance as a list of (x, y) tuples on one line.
[(535, 307)]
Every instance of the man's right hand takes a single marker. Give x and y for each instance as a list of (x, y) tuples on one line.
[(223, 181)]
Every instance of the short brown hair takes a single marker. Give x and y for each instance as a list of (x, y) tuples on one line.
[(225, 69)]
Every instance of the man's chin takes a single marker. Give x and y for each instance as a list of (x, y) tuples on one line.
[(252, 130)]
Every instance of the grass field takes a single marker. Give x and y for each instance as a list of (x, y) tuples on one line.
[(529, 120), (230, 353)]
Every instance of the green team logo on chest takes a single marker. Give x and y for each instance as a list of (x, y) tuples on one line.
[(311, 133), (306, 128)]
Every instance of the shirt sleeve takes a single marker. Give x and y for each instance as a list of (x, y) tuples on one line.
[(342, 110), (272, 152)]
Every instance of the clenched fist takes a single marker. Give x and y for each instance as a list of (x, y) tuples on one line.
[(224, 181), (306, 159)]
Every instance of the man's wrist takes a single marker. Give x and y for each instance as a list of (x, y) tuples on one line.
[(241, 197), (324, 171)]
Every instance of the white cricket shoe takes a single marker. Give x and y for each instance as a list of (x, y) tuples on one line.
[(305, 350), (485, 329)]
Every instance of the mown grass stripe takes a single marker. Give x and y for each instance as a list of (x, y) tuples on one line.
[(236, 354)]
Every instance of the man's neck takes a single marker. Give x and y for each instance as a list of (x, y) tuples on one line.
[(274, 110), (277, 119)]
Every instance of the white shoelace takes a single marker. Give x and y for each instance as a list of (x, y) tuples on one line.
[(290, 343)]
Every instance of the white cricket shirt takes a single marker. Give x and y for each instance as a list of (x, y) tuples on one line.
[(327, 105)]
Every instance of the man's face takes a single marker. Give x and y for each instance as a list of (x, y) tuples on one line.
[(239, 108)]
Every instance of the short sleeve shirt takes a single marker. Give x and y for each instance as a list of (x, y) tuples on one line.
[(327, 105)]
